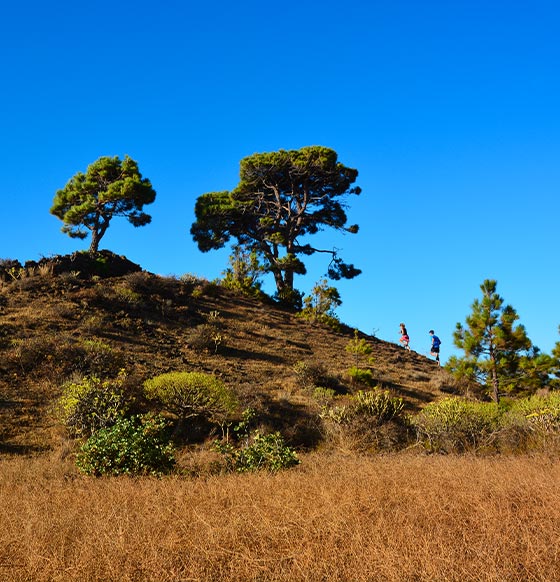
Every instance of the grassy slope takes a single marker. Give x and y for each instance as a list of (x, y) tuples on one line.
[(53, 327)]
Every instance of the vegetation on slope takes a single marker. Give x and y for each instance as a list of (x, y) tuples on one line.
[(59, 324)]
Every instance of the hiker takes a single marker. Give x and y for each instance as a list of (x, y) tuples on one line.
[(436, 342), (405, 340)]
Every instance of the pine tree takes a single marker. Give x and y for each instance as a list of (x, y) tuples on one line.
[(281, 198), (493, 345), (110, 187)]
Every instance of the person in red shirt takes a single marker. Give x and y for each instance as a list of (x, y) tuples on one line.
[(405, 340)]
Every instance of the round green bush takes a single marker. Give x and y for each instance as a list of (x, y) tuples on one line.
[(267, 452), (91, 404), (190, 394), (138, 445)]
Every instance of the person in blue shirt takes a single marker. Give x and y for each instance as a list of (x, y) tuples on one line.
[(436, 342)]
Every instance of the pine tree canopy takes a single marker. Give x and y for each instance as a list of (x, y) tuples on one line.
[(110, 187), (281, 198)]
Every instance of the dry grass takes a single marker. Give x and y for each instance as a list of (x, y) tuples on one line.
[(333, 518)]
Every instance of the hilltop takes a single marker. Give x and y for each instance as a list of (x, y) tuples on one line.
[(72, 316)]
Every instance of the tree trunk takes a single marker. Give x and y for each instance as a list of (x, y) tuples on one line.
[(94, 246), (496, 393), (97, 232)]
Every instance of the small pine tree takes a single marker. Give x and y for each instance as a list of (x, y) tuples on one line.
[(244, 271), (492, 343), (358, 347), (320, 304)]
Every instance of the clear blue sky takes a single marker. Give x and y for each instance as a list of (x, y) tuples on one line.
[(449, 110)]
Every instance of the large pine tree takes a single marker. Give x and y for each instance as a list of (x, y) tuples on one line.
[(282, 197)]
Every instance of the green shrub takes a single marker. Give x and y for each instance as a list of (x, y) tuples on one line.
[(340, 414), (323, 395), (361, 376), (191, 394), (531, 423), (91, 404), (456, 425), (376, 406), (320, 304), (268, 452), (244, 272), (542, 412), (132, 446), (289, 298)]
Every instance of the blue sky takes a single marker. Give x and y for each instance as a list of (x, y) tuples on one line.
[(449, 111)]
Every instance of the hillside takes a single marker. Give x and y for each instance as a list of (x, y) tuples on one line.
[(68, 317)]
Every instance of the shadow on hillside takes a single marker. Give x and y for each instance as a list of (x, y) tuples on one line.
[(23, 450), (413, 395), (230, 352), (299, 427)]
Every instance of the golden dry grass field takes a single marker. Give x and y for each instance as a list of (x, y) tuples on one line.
[(334, 518)]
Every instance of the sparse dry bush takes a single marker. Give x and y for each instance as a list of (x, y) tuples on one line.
[(142, 282), (310, 375), (99, 358), (199, 286), (93, 323), (70, 277), (6, 333), (208, 336), (29, 353), (64, 310), (128, 296), (45, 270), (446, 382), (371, 420), (204, 337), (55, 354)]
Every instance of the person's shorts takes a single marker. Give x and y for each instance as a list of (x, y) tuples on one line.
[(435, 350), (405, 339)]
